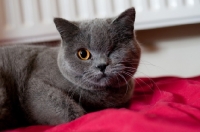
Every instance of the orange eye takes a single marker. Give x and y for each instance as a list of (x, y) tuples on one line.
[(83, 54)]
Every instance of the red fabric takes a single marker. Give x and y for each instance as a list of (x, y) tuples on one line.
[(166, 104)]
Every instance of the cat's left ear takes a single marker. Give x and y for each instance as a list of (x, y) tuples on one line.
[(126, 18), (125, 21), (66, 28)]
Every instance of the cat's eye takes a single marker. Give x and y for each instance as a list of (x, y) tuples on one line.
[(84, 54)]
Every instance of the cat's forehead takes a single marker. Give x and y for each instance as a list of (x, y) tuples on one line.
[(95, 26), (97, 31)]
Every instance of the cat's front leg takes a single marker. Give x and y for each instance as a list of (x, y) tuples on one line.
[(46, 104)]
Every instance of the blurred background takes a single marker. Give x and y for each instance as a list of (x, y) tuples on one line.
[(168, 30)]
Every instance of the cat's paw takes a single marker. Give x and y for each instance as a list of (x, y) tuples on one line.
[(75, 112)]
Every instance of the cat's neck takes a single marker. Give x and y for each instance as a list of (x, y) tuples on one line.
[(93, 100)]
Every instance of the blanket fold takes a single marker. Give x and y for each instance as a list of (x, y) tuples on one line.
[(163, 104)]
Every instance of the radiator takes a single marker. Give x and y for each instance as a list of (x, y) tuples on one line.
[(24, 21)]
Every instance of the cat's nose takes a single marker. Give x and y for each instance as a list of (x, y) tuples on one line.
[(102, 67)]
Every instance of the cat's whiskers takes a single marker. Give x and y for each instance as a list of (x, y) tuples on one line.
[(118, 80), (156, 86), (143, 93), (80, 83), (129, 61), (93, 76), (90, 75), (137, 81), (129, 68), (130, 75), (77, 90)]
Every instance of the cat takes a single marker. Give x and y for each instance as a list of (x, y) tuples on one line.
[(91, 70)]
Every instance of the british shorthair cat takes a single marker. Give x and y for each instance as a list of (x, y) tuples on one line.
[(91, 70)]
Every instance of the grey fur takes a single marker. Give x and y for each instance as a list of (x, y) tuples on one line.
[(51, 85)]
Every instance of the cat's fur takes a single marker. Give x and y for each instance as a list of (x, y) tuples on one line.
[(51, 85)]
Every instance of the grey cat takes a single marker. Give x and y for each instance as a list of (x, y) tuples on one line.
[(91, 70)]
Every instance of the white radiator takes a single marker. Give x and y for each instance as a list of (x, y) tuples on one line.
[(32, 20)]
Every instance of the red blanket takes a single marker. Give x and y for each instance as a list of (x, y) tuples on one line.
[(166, 104)]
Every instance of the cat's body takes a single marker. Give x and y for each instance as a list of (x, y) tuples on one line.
[(53, 85)]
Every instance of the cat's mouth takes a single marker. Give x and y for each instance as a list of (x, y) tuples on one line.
[(108, 80)]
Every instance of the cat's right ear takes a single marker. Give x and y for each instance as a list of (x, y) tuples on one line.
[(66, 28)]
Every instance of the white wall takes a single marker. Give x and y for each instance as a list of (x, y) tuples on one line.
[(170, 51), (26, 21)]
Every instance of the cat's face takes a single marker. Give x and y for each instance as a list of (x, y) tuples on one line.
[(99, 53)]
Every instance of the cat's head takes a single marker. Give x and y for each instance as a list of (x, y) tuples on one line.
[(99, 53)]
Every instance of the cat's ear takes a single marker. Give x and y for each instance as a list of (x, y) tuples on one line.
[(66, 28), (126, 18), (123, 25)]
